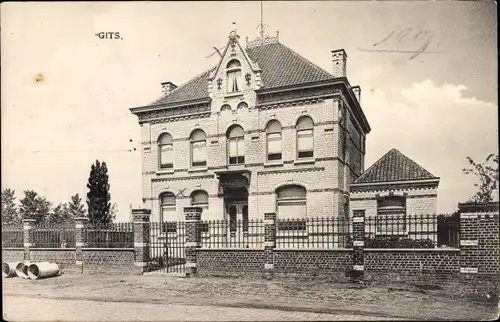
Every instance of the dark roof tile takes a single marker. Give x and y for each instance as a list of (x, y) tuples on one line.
[(394, 166), (280, 66)]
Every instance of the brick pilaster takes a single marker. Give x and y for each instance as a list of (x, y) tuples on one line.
[(193, 237), (479, 239), (269, 242), (28, 236), (358, 243), (81, 240), (141, 219)]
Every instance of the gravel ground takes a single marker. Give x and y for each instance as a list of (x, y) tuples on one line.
[(396, 301)]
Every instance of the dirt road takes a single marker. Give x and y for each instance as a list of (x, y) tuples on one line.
[(396, 301)]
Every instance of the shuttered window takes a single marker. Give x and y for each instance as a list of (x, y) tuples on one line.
[(305, 137), (166, 151)]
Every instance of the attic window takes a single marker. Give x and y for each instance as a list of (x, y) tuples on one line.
[(233, 76)]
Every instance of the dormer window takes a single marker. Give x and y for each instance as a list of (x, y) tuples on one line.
[(233, 70)]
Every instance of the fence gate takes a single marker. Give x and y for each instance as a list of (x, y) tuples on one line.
[(166, 254)]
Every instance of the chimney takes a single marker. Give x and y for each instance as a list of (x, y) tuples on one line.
[(339, 60), (168, 87), (357, 92)]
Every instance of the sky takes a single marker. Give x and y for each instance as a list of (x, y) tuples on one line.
[(427, 70)]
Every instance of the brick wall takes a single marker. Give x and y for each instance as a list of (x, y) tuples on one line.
[(312, 262), (412, 260), (230, 262), (109, 261), (64, 257), (12, 255)]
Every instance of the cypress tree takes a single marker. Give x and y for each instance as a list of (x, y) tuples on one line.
[(98, 197)]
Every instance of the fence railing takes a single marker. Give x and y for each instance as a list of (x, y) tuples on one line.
[(50, 235), (321, 232), (166, 249), (112, 235), (12, 236), (232, 234), (403, 231)]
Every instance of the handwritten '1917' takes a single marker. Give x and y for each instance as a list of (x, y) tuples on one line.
[(405, 35)]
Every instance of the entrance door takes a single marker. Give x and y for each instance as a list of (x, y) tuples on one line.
[(237, 212)]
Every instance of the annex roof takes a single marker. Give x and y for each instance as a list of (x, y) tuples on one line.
[(394, 166)]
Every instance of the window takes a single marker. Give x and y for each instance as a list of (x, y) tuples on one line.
[(167, 207), (391, 215), (166, 151), (233, 76), (274, 144), (241, 105), (199, 198), (225, 107), (291, 202), (236, 145), (198, 148), (305, 137)]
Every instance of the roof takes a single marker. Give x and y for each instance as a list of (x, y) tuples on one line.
[(394, 166), (280, 67)]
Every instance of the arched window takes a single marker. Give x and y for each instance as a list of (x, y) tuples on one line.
[(236, 145), (167, 207), (233, 76), (241, 105), (305, 137), (199, 198), (166, 151), (291, 202), (198, 140), (225, 107), (274, 144)]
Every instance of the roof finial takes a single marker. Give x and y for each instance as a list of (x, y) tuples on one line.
[(233, 32)]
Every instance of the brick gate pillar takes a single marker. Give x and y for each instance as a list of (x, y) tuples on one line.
[(141, 219), (193, 238), (80, 241), (269, 243), (358, 244), (28, 236)]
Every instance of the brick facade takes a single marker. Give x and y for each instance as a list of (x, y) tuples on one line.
[(419, 199)]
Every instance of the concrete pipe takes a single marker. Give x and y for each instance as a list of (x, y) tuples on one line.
[(42, 270), (20, 270), (9, 269)]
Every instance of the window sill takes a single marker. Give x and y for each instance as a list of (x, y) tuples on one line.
[(273, 163), (305, 161), (200, 169), (233, 94), (160, 172)]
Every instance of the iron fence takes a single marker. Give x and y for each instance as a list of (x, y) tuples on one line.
[(167, 241), (320, 232), (12, 236), (233, 234), (50, 235), (110, 235), (401, 231)]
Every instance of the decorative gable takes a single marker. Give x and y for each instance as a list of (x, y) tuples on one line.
[(235, 78)]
